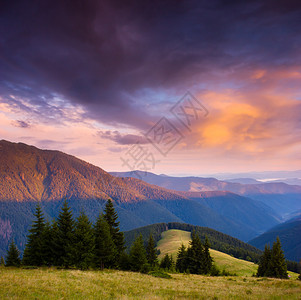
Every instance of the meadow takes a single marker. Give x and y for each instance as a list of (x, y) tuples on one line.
[(50, 283)]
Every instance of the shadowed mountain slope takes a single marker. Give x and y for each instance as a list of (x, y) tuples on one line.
[(279, 196), (29, 175), (290, 237)]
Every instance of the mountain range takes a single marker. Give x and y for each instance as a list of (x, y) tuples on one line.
[(29, 175), (281, 197)]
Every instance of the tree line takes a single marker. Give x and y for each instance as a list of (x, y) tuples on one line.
[(70, 243)]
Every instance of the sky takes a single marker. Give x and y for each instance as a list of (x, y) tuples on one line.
[(173, 87)]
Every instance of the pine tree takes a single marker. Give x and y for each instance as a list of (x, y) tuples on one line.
[(117, 236), (83, 247), (105, 250), (13, 256), (124, 262), (48, 247), (138, 255), (207, 265), (54, 246), (278, 264), (33, 253), (151, 252), (2, 262), (166, 262), (65, 236), (181, 263), (264, 263), (195, 255)]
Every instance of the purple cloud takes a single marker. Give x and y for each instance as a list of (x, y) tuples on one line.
[(123, 139), (102, 54), (21, 124)]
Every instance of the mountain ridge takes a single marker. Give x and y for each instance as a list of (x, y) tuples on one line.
[(29, 175), (281, 197)]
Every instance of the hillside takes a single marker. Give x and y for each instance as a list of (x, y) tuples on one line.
[(281, 197), (218, 240), (172, 239), (290, 237), (199, 184), (252, 213), (29, 175)]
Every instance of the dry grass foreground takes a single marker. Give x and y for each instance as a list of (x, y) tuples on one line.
[(109, 284)]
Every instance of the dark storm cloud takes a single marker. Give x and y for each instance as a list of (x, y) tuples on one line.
[(102, 54)]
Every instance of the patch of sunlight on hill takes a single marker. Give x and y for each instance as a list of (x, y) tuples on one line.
[(172, 240), (232, 264)]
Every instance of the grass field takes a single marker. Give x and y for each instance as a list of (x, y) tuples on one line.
[(172, 240), (109, 284), (50, 283)]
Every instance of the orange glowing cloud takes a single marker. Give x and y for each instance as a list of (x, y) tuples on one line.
[(249, 122)]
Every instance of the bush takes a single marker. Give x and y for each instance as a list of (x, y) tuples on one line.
[(160, 274), (145, 268), (227, 273), (214, 271)]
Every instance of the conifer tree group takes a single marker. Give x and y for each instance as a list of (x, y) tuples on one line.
[(272, 262), (73, 243), (80, 244), (196, 258)]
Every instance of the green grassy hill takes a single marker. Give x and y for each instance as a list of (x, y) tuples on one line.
[(218, 240), (232, 264), (109, 284), (172, 240)]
